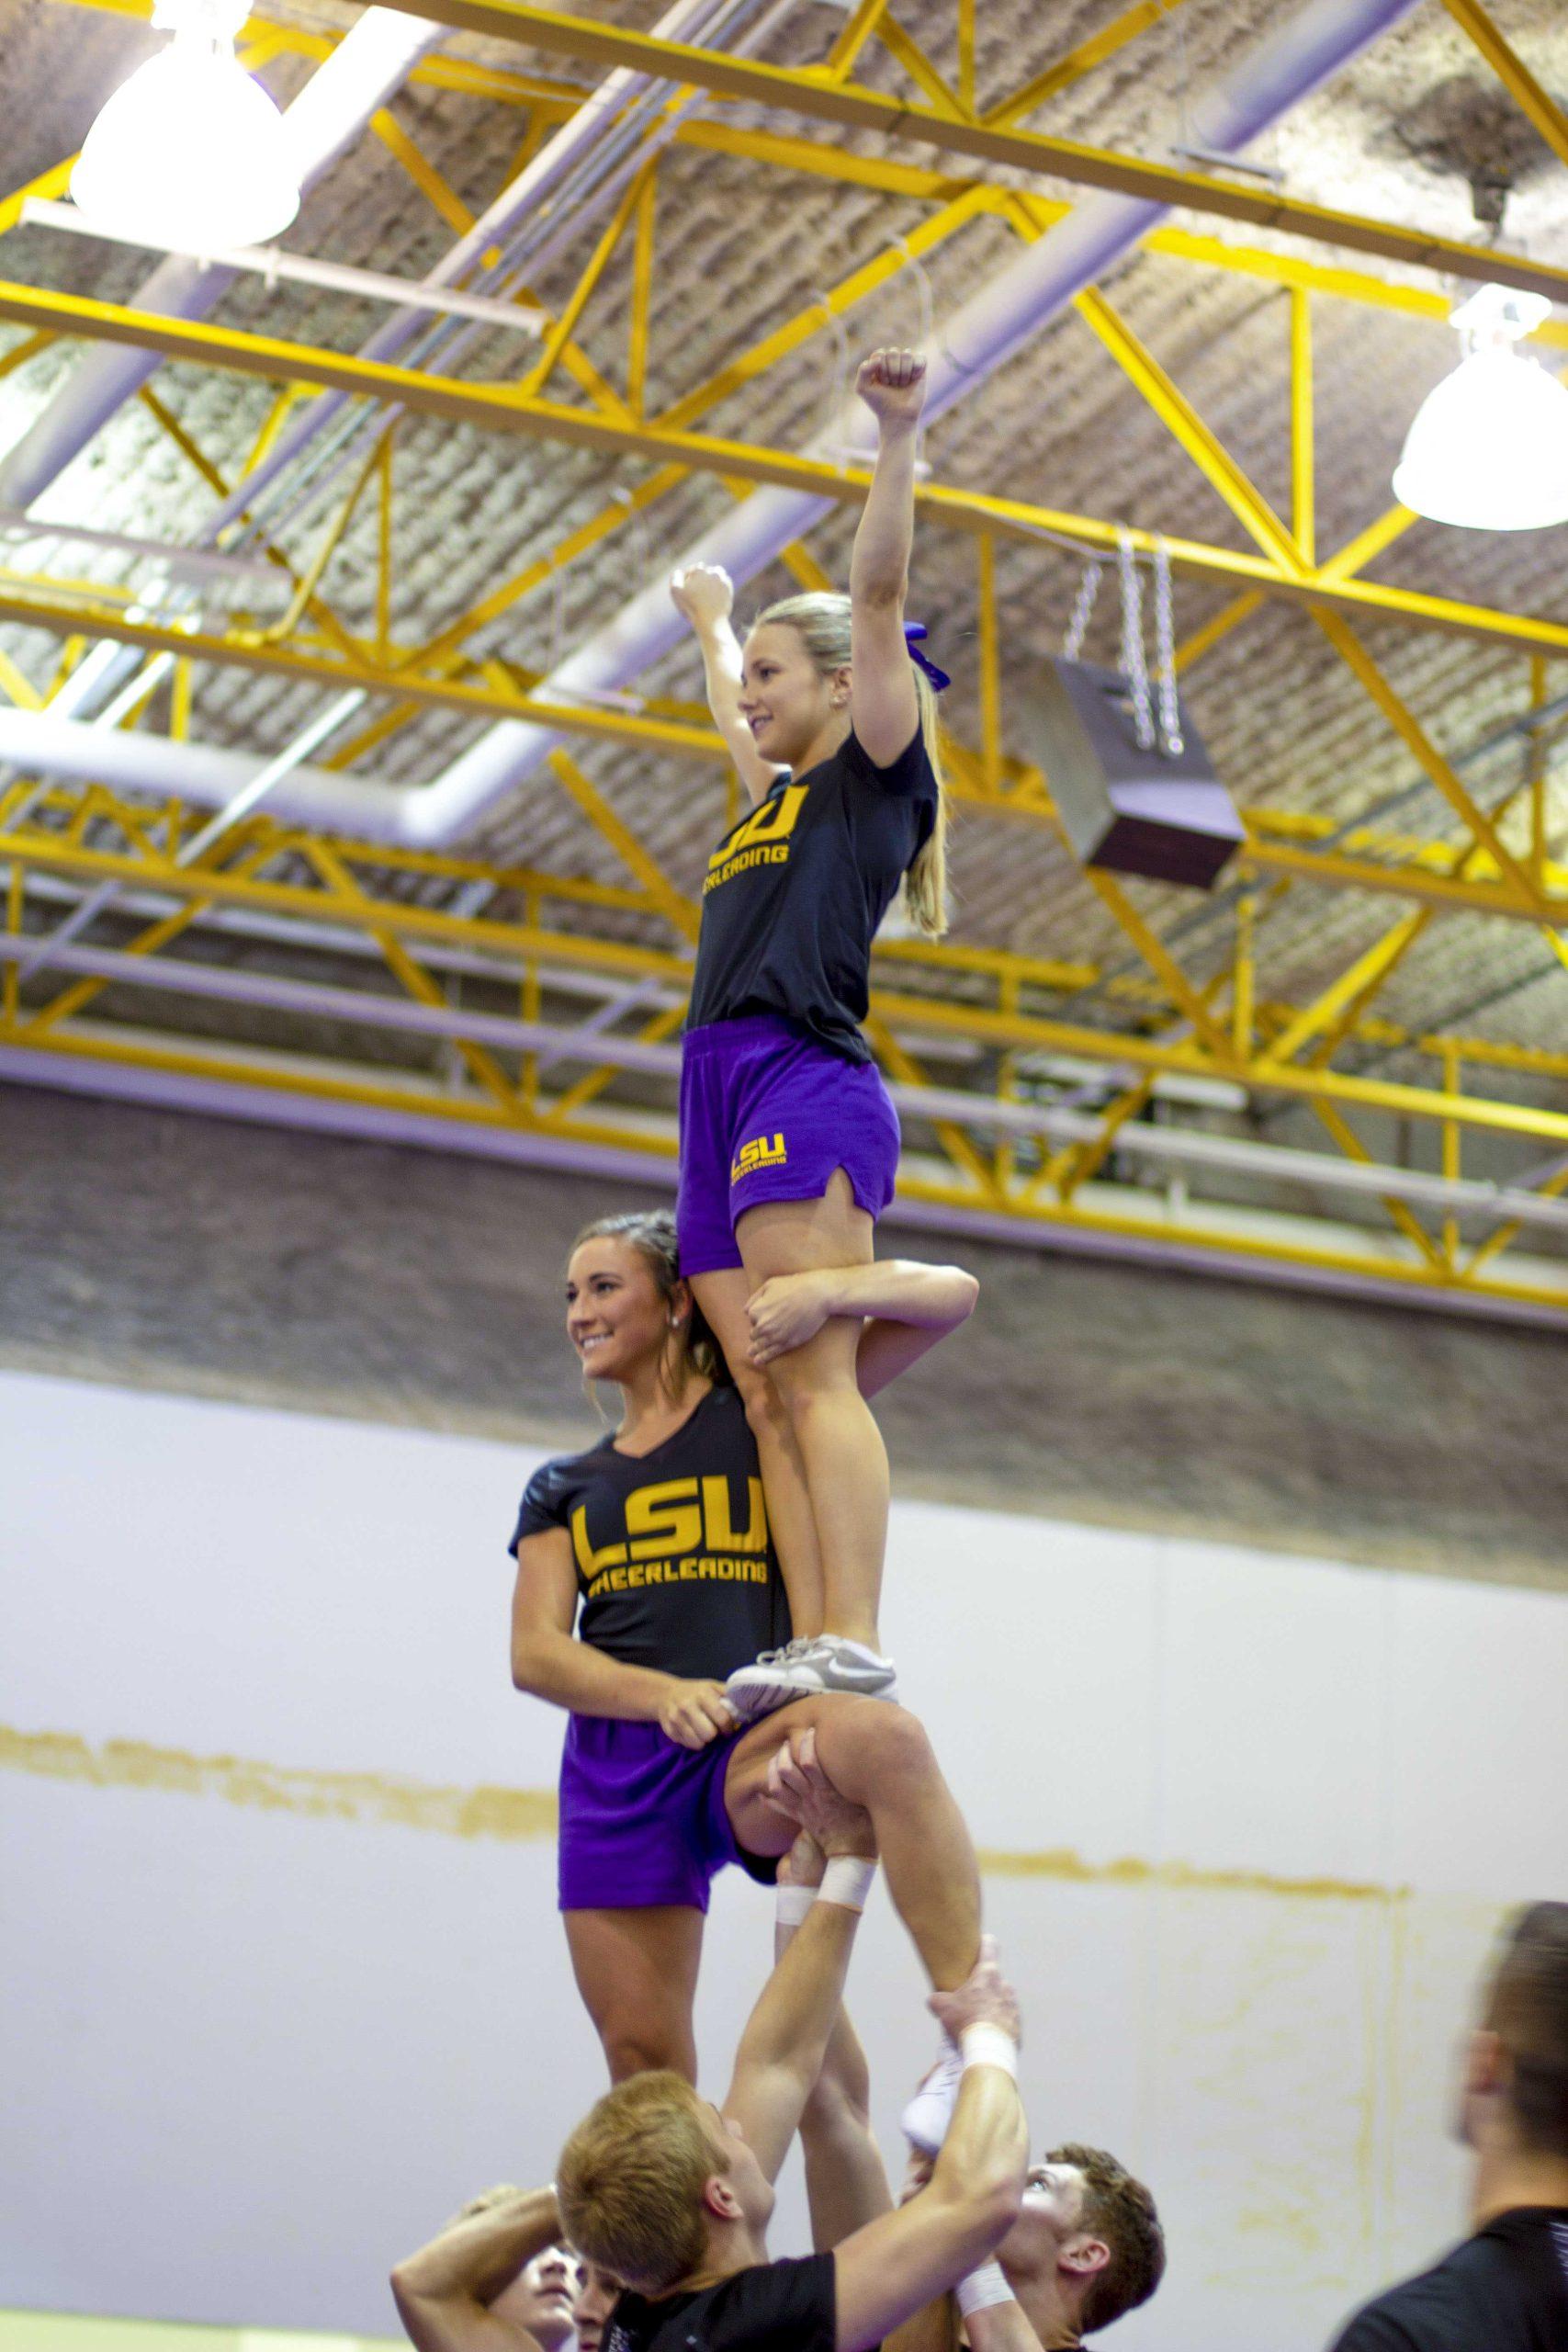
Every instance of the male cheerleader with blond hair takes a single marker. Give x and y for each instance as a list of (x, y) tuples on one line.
[(672, 2195)]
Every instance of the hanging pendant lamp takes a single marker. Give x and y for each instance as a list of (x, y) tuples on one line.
[(1488, 447), (190, 151)]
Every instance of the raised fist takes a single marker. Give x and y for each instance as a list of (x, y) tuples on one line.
[(893, 384), (703, 592), (984, 1998)]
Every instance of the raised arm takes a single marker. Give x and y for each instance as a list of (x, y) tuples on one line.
[(846, 2180), (1000, 2326), (444, 2291), (550, 1662), (934, 2327), (787, 2037), (907, 1308), (893, 2268), (991, 2326), (705, 596), (887, 711)]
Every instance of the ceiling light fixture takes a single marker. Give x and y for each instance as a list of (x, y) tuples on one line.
[(1488, 447), (191, 146)]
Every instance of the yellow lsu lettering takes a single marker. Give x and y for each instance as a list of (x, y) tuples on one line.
[(675, 1516), (705, 1570), (762, 1151), (665, 1519), (773, 821)]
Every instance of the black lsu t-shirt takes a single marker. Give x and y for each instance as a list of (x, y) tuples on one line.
[(1505, 2290), (676, 1566), (777, 2307), (795, 892)]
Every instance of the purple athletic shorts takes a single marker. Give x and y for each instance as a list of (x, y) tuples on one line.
[(768, 1114), (642, 1821)]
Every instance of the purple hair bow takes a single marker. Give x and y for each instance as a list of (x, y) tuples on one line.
[(914, 631)]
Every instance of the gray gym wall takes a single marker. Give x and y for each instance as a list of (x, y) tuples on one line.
[(153, 1249)]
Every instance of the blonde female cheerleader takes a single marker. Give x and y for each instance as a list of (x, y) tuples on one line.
[(646, 1573), (789, 1141)]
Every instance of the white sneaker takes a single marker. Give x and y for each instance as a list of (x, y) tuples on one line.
[(809, 1669), (925, 2120)]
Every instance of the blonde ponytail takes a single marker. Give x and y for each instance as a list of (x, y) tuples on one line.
[(924, 898)]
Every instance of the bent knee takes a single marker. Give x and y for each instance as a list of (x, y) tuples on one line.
[(760, 1399), (812, 1383), (868, 1734), (642, 2046)]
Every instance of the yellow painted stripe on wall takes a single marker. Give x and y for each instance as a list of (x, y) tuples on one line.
[(79, 2332), (528, 1815), (375, 1797)]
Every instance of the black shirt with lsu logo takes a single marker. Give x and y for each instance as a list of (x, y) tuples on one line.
[(795, 892), (774, 2307), (1504, 2289), (675, 1565)]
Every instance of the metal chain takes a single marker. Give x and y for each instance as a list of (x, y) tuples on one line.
[(1133, 664), (1165, 656), (1077, 628)]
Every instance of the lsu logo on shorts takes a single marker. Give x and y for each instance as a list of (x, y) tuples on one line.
[(762, 1151)]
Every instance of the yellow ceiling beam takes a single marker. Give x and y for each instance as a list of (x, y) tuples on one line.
[(556, 101), (1222, 1235), (252, 651), (1025, 1033), (156, 835), (1005, 1030), (1403, 878), (504, 408), (847, 105), (1076, 62), (1527, 93), (864, 19), (1407, 727), (1352, 986), (1281, 840), (1186, 428), (1160, 959), (906, 52)]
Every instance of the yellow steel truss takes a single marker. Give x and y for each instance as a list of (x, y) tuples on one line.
[(847, 105), (46, 829), (1166, 1026)]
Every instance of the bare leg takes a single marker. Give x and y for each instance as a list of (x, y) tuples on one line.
[(840, 1444), (846, 2181), (878, 1756), (637, 1971), (722, 1297)]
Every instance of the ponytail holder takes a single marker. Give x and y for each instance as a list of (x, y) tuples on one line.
[(914, 631)]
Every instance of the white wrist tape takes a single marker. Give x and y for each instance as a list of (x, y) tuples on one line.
[(989, 2045), (791, 1904), (983, 2288), (847, 1880)]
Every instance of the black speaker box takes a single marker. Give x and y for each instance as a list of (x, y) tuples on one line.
[(1130, 810)]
